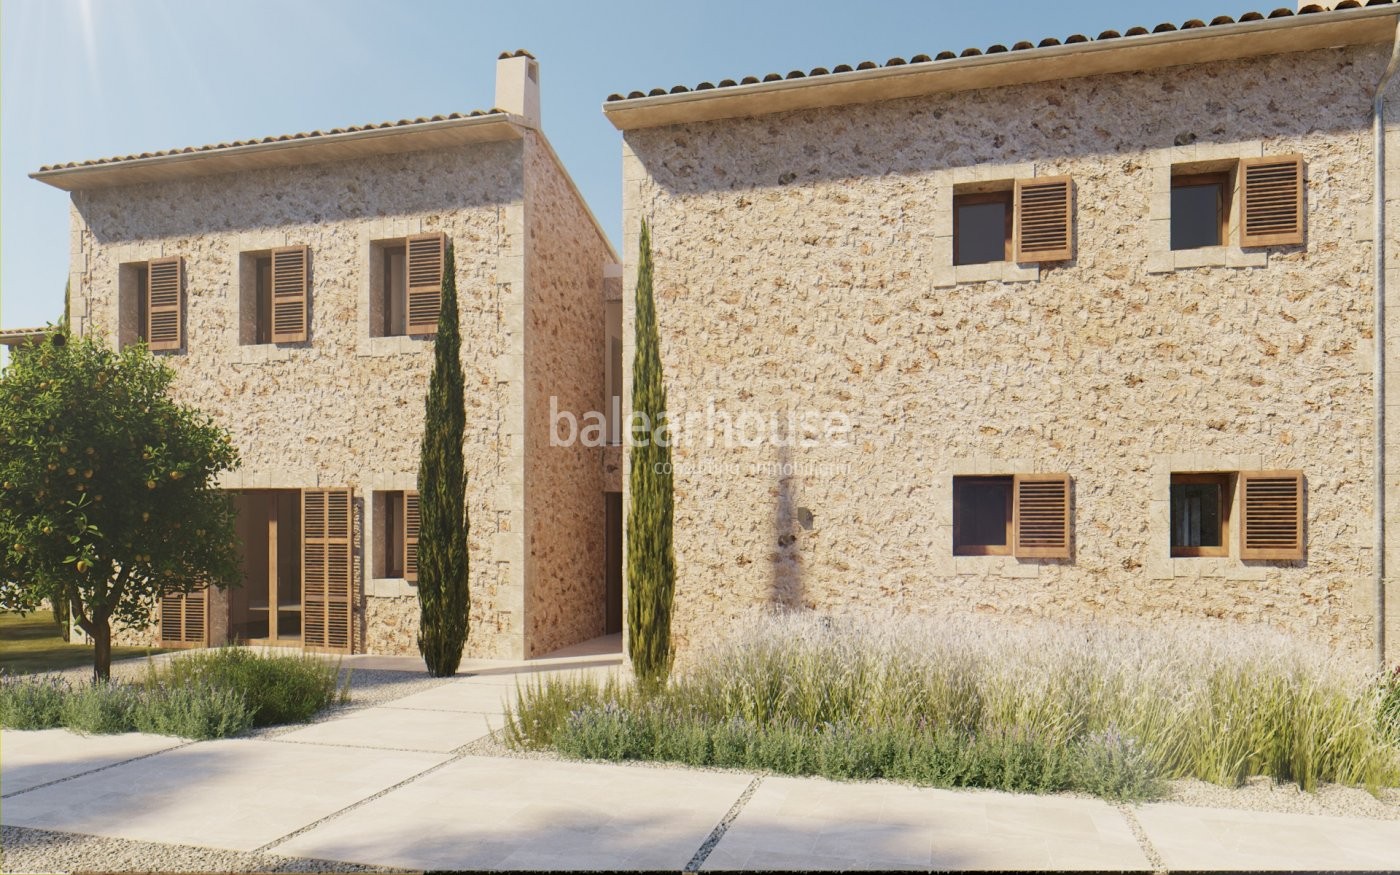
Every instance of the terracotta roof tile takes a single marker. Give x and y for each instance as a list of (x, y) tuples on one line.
[(280, 138), (1164, 27)]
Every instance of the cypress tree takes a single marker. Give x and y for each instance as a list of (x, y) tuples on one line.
[(443, 596), (651, 560)]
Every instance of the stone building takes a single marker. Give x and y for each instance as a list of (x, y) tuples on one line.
[(293, 283), (1069, 329)]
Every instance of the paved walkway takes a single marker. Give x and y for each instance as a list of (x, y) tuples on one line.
[(393, 785)]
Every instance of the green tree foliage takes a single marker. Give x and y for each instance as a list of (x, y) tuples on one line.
[(444, 598), (651, 560), (107, 495)]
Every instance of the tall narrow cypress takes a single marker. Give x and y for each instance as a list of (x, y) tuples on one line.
[(651, 559), (443, 595)]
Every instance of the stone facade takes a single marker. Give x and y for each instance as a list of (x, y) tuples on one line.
[(345, 408), (803, 263)]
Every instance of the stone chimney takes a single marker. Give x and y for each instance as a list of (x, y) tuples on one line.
[(518, 85)]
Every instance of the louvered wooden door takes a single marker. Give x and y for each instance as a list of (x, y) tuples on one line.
[(184, 619), (327, 577)]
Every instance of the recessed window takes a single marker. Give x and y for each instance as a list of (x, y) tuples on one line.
[(274, 295), (982, 227), (1200, 210), (396, 534), (151, 304), (406, 285), (982, 516), (1200, 514)]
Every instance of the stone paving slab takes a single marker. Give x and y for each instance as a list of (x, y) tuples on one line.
[(812, 823), (34, 757), (395, 728), (236, 794), (499, 813), (463, 695), (1220, 838)]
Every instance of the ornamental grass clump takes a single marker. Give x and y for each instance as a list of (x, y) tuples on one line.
[(1039, 708)]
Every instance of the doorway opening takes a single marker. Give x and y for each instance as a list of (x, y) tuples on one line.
[(612, 576), (267, 608)]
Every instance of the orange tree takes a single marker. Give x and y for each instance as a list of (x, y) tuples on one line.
[(107, 496)]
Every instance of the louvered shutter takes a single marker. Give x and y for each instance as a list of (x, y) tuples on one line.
[(164, 322), (290, 290), (326, 577), (1273, 515), (1040, 516), (426, 253), (184, 618), (1271, 201), (412, 524), (1044, 219)]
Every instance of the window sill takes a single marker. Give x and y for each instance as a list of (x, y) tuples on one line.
[(397, 345), (389, 587), (1173, 260), (992, 271), (255, 353)]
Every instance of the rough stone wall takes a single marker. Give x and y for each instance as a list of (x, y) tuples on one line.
[(342, 409), (803, 263), (565, 355)]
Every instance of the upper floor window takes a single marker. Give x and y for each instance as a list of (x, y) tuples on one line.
[(274, 295), (406, 285), (151, 303), (1022, 220), (1268, 193), (1200, 209)]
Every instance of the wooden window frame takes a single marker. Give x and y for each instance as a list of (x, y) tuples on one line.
[(1213, 177), (1225, 480), (961, 549), (1006, 197)]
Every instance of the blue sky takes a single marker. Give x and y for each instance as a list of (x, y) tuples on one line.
[(86, 79)]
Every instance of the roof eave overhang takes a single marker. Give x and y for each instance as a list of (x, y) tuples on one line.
[(318, 149), (1075, 60)]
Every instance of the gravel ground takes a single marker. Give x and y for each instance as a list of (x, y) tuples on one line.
[(1262, 794), (38, 850)]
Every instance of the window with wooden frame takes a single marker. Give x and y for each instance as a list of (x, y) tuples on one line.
[(275, 295), (1022, 515), (1200, 513), (982, 227), (406, 285), (1200, 207), (151, 301), (1022, 220), (398, 535)]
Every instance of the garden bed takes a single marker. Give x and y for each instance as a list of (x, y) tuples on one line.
[(1116, 712), (202, 694)]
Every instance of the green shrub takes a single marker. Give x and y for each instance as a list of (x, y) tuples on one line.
[(199, 711), (1388, 709), (276, 688), (32, 702), (101, 708)]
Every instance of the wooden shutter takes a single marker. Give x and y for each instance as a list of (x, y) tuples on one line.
[(426, 254), (1040, 516), (164, 316), (1271, 201), (1044, 219), (412, 524), (184, 618), (1273, 515), (290, 287), (327, 581)]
